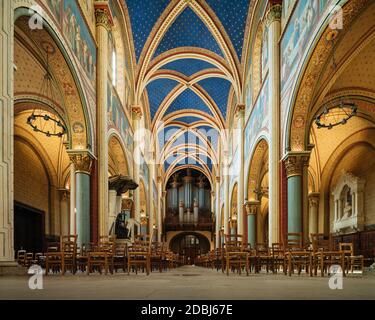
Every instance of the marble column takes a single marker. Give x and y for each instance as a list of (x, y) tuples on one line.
[(103, 26), (64, 212), (217, 212), (6, 135), (82, 162), (313, 212), (294, 164), (137, 118), (251, 212), (240, 114), (273, 21)]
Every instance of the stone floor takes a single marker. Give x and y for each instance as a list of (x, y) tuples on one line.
[(187, 282)]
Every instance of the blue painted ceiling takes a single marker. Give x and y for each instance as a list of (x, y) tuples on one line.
[(188, 30), (188, 67)]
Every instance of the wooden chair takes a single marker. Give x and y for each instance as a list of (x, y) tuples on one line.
[(29, 259), (68, 246), (21, 257), (263, 257), (119, 258), (235, 257), (296, 255), (157, 256), (101, 257), (54, 258), (352, 262), (278, 257), (139, 255), (83, 256)]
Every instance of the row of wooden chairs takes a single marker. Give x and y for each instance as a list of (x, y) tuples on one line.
[(108, 255), (288, 257)]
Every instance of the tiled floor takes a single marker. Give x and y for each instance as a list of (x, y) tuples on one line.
[(187, 282)]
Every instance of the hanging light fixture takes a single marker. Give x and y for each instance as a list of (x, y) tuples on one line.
[(40, 120), (335, 113)]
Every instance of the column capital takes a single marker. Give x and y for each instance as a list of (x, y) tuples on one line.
[(64, 194), (82, 160), (212, 193), (159, 179), (240, 109), (314, 199), (103, 14), (274, 13), (218, 179), (295, 161), (137, 111), (164, 193), (252, 207)]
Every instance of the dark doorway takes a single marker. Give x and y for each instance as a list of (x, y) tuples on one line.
[(28, 228)]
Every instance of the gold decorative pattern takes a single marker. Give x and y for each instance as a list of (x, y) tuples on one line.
[(252, 207), (82, 160), (274, 14), (307, 85), (295, 161)]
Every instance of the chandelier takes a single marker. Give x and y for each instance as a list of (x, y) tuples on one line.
[(337, 112), (40, 120)]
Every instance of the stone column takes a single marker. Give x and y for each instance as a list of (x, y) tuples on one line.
[(164, 212), (313, 212), (226, 197), (159, 204), (137, 117), (64, 212), (251, 211), (273, 21), (112, 208), (82, 162), (240, 114), (6, 135), (103, 26), (72, 217), (294, 164), (217, 212)]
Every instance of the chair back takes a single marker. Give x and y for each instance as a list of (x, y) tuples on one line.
[(110, 238), (21, 256), (277, 250), (320, 243), (346, 248), (261, 249), (293, 241)]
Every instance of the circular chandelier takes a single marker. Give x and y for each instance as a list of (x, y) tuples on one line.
[(40, 120), (336, 113)]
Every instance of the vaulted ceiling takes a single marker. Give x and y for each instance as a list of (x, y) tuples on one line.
[(188, 55)]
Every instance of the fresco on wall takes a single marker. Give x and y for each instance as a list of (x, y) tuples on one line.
[(258, 121), (117, 118), (265, 52), (287, 8), (144, 171), (79, 38), (297, 34), (233, 169), (87, 7), (55, 7)]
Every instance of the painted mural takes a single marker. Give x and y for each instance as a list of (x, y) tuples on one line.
[(87, 7), (144, 171), (55, 7), (287, 8), (265, 52), (297, 34), (233, 169), (117, 118), (258, 121), (305, 19), (77, 33)]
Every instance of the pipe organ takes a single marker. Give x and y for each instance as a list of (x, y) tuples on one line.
[(189, 197)]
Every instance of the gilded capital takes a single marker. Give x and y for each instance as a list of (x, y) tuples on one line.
[(295, 162), (64, 194), (137, 111), (102, 18), (251, 207), (218, 179), (274, 14), (81, 160)]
